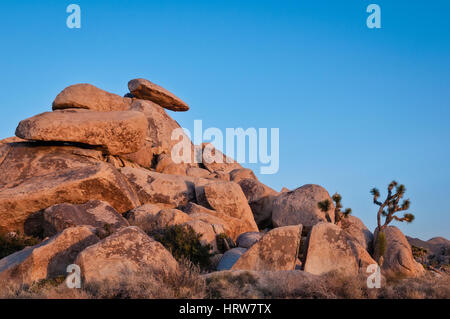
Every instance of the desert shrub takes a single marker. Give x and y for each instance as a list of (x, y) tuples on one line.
[(13, 242), (188, 283), (229, 286), (184, 243), (224, 242)]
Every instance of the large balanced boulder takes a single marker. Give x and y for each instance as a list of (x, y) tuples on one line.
[(277, 250), (358, 231), (48, 259), (146, 90), (227, 198), (398, 260), (87, 96), (332, 249), (128, 251), (37, 177), (300, 206), (172, 191), (95, 213), (119, 132)]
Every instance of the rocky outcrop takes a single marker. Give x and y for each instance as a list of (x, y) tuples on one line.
[(232, 226), (95, 213), (218, 163), (127, 251), (166, 165), (242, 173), (198, 172), (172, 191), (332, 249), (434, 253), (143, 216), (208, 232), (119, 132), (150, 218), (398, 260), (260, 198), (146, 90), (87, 96), (168, 217), (47, 260), (358, 231), (227, 198), (159, 133), (37, 177), (300, 207), (276, 250)]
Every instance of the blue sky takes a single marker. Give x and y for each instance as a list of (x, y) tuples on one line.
[(356, 107)]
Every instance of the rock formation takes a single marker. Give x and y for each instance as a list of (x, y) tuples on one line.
[(97, 176)]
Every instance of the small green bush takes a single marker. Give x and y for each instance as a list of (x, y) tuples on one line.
[(13, 242), (184, 243)]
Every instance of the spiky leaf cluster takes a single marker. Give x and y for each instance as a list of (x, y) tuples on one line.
[(391, 205), (324, 206)]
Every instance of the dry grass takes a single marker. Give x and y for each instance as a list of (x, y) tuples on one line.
[(188, 283)]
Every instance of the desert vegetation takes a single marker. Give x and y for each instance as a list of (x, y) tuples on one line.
[(189, 282), (325, 205), (15, 241)]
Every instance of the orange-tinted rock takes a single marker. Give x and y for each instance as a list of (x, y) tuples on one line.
[(37, 177), (87, 96), (119, 132), (146, 90)]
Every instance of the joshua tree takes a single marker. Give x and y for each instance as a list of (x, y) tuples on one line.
[(388, 209), (324, 206), (391, 205)]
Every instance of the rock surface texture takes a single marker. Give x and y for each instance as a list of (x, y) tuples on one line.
[(146, 90), (119, 132), (125, 252), (332, 249), (398, 258), (300, 207), (47, 260), (37, 177), (276, 250)]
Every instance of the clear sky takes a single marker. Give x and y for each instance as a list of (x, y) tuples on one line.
[(356, 107)]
